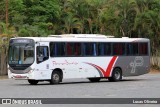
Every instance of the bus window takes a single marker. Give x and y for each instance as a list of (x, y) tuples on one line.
[(73, 49), (70, 49), (51, 45), (57, 49), (42, 53), (118, 48), (132, 49), (143, 49), (60, 49), (104, 49), (89, 49), (77, 49)]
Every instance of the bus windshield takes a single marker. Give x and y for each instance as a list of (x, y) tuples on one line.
[(21, 53)]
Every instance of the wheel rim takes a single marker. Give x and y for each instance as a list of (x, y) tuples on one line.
[(56, 77), (117, 75)]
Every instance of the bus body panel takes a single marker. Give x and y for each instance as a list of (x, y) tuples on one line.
[(133, 65), (82, 68)]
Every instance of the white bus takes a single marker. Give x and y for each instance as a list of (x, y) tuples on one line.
[(90, 56)]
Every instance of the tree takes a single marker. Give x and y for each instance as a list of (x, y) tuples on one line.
[(147, 24), (2, 10), (5, 35), (125, 13)]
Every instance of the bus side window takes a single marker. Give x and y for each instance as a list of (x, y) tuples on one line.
[(104, 49), (143, 49), (60, 48), (89, 49), (107, 48), (57, 49), (132, 49), (100, 49), (118, 48), (70, 49), (42, 53), (77, 49)]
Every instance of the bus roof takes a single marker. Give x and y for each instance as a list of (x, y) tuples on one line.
[(84, 38)]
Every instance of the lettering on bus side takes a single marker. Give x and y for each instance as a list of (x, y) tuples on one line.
[(65, 62)]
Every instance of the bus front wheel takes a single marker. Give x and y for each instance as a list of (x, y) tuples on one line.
[(116, 75), (55, 78), (33, 82)]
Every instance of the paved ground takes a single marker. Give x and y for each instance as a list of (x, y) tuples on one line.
[(145, 86)]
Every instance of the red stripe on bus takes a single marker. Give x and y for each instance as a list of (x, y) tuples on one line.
[(109, 68), (97, 67), (101, 69)]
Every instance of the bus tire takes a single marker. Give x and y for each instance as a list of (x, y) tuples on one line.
[(56, 77), (94, 79), (33, 82), (116, 75)]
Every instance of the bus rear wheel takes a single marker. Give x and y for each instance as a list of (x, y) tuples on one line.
[(33, 82), (56, 77), (94, 79), (116, 75)]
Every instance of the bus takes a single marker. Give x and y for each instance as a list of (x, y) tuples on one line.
[(92, 56)]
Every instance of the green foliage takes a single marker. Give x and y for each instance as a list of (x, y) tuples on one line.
[(132, 18), (23, 32)]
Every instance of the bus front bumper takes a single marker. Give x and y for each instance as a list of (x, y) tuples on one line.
[(25, 76)]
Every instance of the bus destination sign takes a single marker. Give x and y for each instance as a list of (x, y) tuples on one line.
[(21, 41)]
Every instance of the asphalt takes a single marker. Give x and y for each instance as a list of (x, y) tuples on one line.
[(144, 86)]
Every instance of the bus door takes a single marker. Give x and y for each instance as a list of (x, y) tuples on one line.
[(42, 56)]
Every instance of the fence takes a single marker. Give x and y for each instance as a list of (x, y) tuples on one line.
[(155, 61)]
